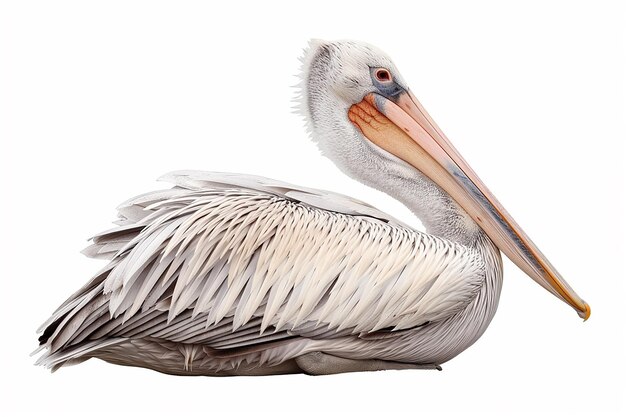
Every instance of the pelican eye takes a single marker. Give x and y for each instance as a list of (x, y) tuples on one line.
[(383, 75)]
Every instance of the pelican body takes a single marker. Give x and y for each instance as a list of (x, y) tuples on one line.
[(229, 274)]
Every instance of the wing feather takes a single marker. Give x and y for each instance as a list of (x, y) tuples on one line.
[(232, 261)]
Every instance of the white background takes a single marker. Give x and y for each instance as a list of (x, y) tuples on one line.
[(98, 100)]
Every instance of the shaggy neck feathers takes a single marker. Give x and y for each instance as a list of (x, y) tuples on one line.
[(325, 113)]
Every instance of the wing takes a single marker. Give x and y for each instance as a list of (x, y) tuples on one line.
[(231, 261)]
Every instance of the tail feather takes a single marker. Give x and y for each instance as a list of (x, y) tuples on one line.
[(68, 335), (74, 355)]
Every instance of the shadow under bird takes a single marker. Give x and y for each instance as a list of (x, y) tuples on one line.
[(229, 274)]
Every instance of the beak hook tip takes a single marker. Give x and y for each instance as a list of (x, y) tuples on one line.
[(586, 312)]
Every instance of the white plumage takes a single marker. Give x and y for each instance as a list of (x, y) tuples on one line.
[(228, 274), (260, 261)]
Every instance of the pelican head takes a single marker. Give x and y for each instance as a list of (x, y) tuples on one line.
[(364, 118)]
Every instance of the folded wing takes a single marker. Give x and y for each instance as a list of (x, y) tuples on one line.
[(231, 261)]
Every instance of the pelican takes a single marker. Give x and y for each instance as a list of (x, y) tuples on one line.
[(228, 274)]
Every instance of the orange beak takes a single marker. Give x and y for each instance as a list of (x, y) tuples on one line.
[(403, 128)]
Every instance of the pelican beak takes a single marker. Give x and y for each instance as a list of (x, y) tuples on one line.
[(401, 126)]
